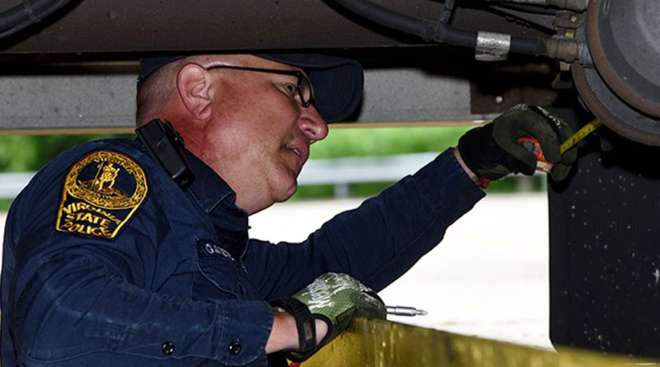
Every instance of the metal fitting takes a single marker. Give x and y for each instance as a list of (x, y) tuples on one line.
[(492, 46), (562, 49)]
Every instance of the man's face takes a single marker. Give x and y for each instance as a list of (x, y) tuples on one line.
[(259, 137)]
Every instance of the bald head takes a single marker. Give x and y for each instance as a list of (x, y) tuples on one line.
[(159, 89)]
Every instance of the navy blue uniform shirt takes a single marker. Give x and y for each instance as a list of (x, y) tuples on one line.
[(107, 262)]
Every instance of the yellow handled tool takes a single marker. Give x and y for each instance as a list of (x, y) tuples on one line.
[(579, 135), (533, 145)]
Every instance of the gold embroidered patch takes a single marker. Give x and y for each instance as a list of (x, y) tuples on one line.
[(101, 193)]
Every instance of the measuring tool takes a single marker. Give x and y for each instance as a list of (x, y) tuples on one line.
[(405, 311), (533, 145), (579, 135)]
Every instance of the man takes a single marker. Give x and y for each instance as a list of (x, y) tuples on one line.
[(136, 252)]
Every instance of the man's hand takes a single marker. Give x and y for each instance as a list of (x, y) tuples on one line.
[(493, 151), (335, 299)]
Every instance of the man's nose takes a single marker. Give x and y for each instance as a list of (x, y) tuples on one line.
[(312, 124)]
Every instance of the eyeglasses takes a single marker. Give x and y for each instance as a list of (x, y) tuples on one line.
[(303, 85)]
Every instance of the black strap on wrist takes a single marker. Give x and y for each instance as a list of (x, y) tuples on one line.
[(305, 323)]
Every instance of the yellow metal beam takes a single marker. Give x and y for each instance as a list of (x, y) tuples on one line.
[(381, 343)]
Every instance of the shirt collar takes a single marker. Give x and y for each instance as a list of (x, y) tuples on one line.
[(209, 189)]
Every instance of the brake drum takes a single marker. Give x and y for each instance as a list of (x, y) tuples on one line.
[(622, 87)]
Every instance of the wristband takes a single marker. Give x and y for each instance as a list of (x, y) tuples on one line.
[(305, 323)]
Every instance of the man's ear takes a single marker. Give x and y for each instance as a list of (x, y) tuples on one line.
[(193, 85)]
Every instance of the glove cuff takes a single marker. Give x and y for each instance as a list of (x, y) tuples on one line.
[(301, 356), (482, 155), (304, 323)]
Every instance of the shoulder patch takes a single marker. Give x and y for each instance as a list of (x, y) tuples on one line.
[(101, 193)]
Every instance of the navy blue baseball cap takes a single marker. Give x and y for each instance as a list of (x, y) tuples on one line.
[(337, 82)]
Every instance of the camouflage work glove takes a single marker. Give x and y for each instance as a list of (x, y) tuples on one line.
[(493, 151), (336, 299)]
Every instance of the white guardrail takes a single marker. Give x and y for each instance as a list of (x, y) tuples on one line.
[(340, 172), (12, 183)]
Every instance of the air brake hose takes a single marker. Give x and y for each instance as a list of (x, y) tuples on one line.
[(434, 31), (27, 13)]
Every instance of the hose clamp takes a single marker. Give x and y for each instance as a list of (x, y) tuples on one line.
[(492, 46)]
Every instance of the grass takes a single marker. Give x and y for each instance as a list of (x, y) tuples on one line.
[(5, 204), (20, 153), (356, 142), (25, 153), (359, 142)]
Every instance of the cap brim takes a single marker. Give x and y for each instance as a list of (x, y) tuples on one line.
[(337, 82)]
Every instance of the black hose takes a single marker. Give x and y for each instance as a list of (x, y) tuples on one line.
[(426, 29), (446, 34), (528, 46), (527, 8), (447, 11), (433, 31), (27, 13), (383, 16)]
